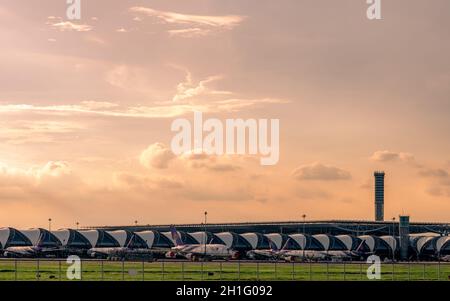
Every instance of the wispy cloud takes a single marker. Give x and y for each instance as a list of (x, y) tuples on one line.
[(189, 90), (190, 96), (39, 131), (200, 25), (189, 32), (61, 25), (386, 156)]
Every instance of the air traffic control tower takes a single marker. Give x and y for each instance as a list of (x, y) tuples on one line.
[(379, 195)]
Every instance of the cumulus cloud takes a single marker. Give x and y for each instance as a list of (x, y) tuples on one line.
[(320, 172), (223, 22), (51, 169), (215, 163), (157, 156), (387, 156)]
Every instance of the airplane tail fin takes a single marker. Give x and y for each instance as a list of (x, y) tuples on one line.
[(131, 241), (285, 244), (273, 246), (175, 236), (358, 249), (40, 240)]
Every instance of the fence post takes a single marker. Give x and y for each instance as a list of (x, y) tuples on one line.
[(59, 270), (293, 270), (221, 270), (276, 271), (360, 271), (102, 270), (81, 269), (439, 269), (424, 271), (239, 270), (345, 276), (143, 269), (257, 270), (327, 270), (393, 268), (201, 265), (15, 269), (409, 270), (162, 270), (38, 274), (123, 269), (310, 271), (182, 270)]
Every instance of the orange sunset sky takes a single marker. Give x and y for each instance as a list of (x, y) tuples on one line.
[(86, 107)]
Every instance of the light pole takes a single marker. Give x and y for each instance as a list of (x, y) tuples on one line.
[(206, 215), (78, 224), (49, 224), (304, 235), (393, 237)]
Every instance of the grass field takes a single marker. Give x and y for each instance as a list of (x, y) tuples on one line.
[(54, 270)]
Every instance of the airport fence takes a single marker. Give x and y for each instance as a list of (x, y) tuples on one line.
[(103, 270)]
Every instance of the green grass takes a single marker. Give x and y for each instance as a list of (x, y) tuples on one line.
[(53, 270)]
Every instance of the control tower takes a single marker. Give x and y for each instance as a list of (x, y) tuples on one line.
[(379, 195)]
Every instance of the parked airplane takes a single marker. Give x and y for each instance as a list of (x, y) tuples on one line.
[(196, 252), (37, 250), (312, 255), (126, 252), (272, 253)]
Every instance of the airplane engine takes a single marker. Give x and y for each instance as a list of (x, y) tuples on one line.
[(171, 255)]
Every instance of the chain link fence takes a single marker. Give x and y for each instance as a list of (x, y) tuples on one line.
[(103, 270)]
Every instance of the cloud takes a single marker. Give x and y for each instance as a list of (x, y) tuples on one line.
[(214, 163), (36, 131), (227, 21), (61, 25), (53, 169), (388, 156), (157, 111), (320, 172), (436, 173), (200, 25), (190, 96), (439, 181), (189, 32), (157, 156), (312, 194), (188, 90)]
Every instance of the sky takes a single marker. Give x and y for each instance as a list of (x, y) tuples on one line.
[(86, 108)]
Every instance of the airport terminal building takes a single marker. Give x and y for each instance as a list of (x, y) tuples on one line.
[(419, 245), (399, 239)]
